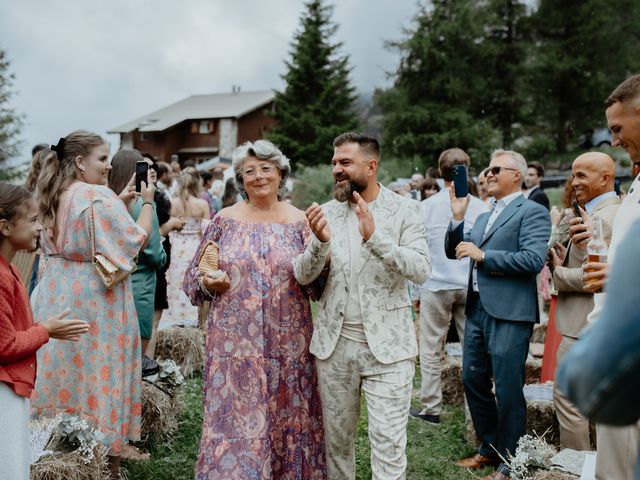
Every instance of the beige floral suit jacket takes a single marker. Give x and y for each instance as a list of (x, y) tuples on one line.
[(395, 254)]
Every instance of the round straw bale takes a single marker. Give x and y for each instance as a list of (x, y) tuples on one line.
[(71, 466), (160, 410), (185, 346)]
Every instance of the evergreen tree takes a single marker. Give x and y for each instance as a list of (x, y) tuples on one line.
[(583, 50), (439, 97), (317, 102), (507, 34), (10, 121)]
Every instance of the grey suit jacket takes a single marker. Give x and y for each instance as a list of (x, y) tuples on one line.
[(396, 253), (515, 249), (574, 304)]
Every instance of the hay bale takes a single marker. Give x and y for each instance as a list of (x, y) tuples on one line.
[(185, 346), (71, 466), (539, 333), (451, 378), (541, 418), (532, 370), (160, 410)]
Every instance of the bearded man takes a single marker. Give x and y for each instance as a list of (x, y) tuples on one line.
[(372, 242)]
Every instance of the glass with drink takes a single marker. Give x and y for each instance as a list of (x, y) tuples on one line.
[(596, 248)]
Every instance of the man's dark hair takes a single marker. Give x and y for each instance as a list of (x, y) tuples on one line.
[(369, 145), (539, 168), (627, 90), (163, 168), (449, 158)]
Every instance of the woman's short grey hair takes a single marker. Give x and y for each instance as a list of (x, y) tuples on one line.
[(518, 160), (262, 150)]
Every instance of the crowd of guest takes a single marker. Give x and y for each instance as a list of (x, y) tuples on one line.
[(120, 257)]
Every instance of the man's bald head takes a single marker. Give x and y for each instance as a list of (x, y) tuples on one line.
[(593, 174)]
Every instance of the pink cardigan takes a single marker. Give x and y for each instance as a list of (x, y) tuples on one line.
[(19, 337)]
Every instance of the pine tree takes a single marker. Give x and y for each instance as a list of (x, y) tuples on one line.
[(317, 102), (10, 121), (507, 33), (583, 50), (439, 98)]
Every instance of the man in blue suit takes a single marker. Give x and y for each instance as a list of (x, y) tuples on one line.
[(507, 248)]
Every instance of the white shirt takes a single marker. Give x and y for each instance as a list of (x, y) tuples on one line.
[(528, 192), (446, 274), (498, 207), (628, 213), (352, 326)]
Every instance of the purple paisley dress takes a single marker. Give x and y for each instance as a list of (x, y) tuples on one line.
[(262, 415)]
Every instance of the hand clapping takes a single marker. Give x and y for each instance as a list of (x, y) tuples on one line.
[(367, 224), (318, 223)]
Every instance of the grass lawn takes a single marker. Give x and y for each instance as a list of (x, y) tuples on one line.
[(431, 449)]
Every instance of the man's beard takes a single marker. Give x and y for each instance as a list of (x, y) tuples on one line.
[(343, 190)]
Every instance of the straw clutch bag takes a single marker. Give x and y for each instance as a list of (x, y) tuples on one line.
[(208, 262)]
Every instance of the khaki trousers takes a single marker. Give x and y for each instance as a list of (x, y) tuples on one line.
[(617, 451), (574, 428), (436, 311), (387, 392)]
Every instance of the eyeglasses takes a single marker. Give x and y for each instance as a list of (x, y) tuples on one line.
[(496, 170), (264, 170)]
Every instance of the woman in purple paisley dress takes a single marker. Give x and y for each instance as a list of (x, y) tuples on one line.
[(262, 415)]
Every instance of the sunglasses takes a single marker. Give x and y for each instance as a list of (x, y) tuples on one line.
[(496, 170)]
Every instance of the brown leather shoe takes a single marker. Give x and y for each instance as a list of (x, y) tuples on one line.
[(477, 461), (496, 476)]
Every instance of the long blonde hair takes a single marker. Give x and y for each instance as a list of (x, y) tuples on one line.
[(189, 185), (58, 173)]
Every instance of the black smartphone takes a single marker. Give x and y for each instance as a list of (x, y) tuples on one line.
[(576, 209), (141, 174), (460, 181)]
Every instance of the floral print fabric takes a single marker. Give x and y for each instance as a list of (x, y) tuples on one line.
[(262, 415), (183, 244), (97, 377)]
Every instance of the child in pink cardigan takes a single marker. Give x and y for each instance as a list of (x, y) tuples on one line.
[(19, 337)]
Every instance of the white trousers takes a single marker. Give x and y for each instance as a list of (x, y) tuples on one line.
[(436, 311), (14, 435), (387, 392)]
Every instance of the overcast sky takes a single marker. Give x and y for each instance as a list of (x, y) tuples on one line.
[(97, 64)]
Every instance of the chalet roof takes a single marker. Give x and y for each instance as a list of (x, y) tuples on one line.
[(218, 105)]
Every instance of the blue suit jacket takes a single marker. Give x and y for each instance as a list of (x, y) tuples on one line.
[(515, 249)]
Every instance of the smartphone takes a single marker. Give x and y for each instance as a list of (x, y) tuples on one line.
[(460, 181), (576, 209), (141, 174)]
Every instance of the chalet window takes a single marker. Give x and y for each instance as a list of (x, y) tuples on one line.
[(144, 137), (204, 126)]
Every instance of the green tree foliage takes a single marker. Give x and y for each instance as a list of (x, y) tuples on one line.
[(505, 47), (439, 97), (10, 121), (317, 102), (583, 49)]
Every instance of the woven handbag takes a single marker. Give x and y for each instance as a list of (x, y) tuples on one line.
[(109, 273), (208, 261)]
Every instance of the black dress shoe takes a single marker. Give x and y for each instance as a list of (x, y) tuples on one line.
[(149, 367), (427, 417)]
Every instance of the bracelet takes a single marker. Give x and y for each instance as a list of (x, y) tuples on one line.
[(204, 289), (146, 203)]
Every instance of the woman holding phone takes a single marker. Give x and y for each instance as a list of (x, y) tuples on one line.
[(153, 257), (98, 377)]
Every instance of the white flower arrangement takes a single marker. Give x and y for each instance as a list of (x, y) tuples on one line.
[(169, 375), (532, 453), (75, 432)]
